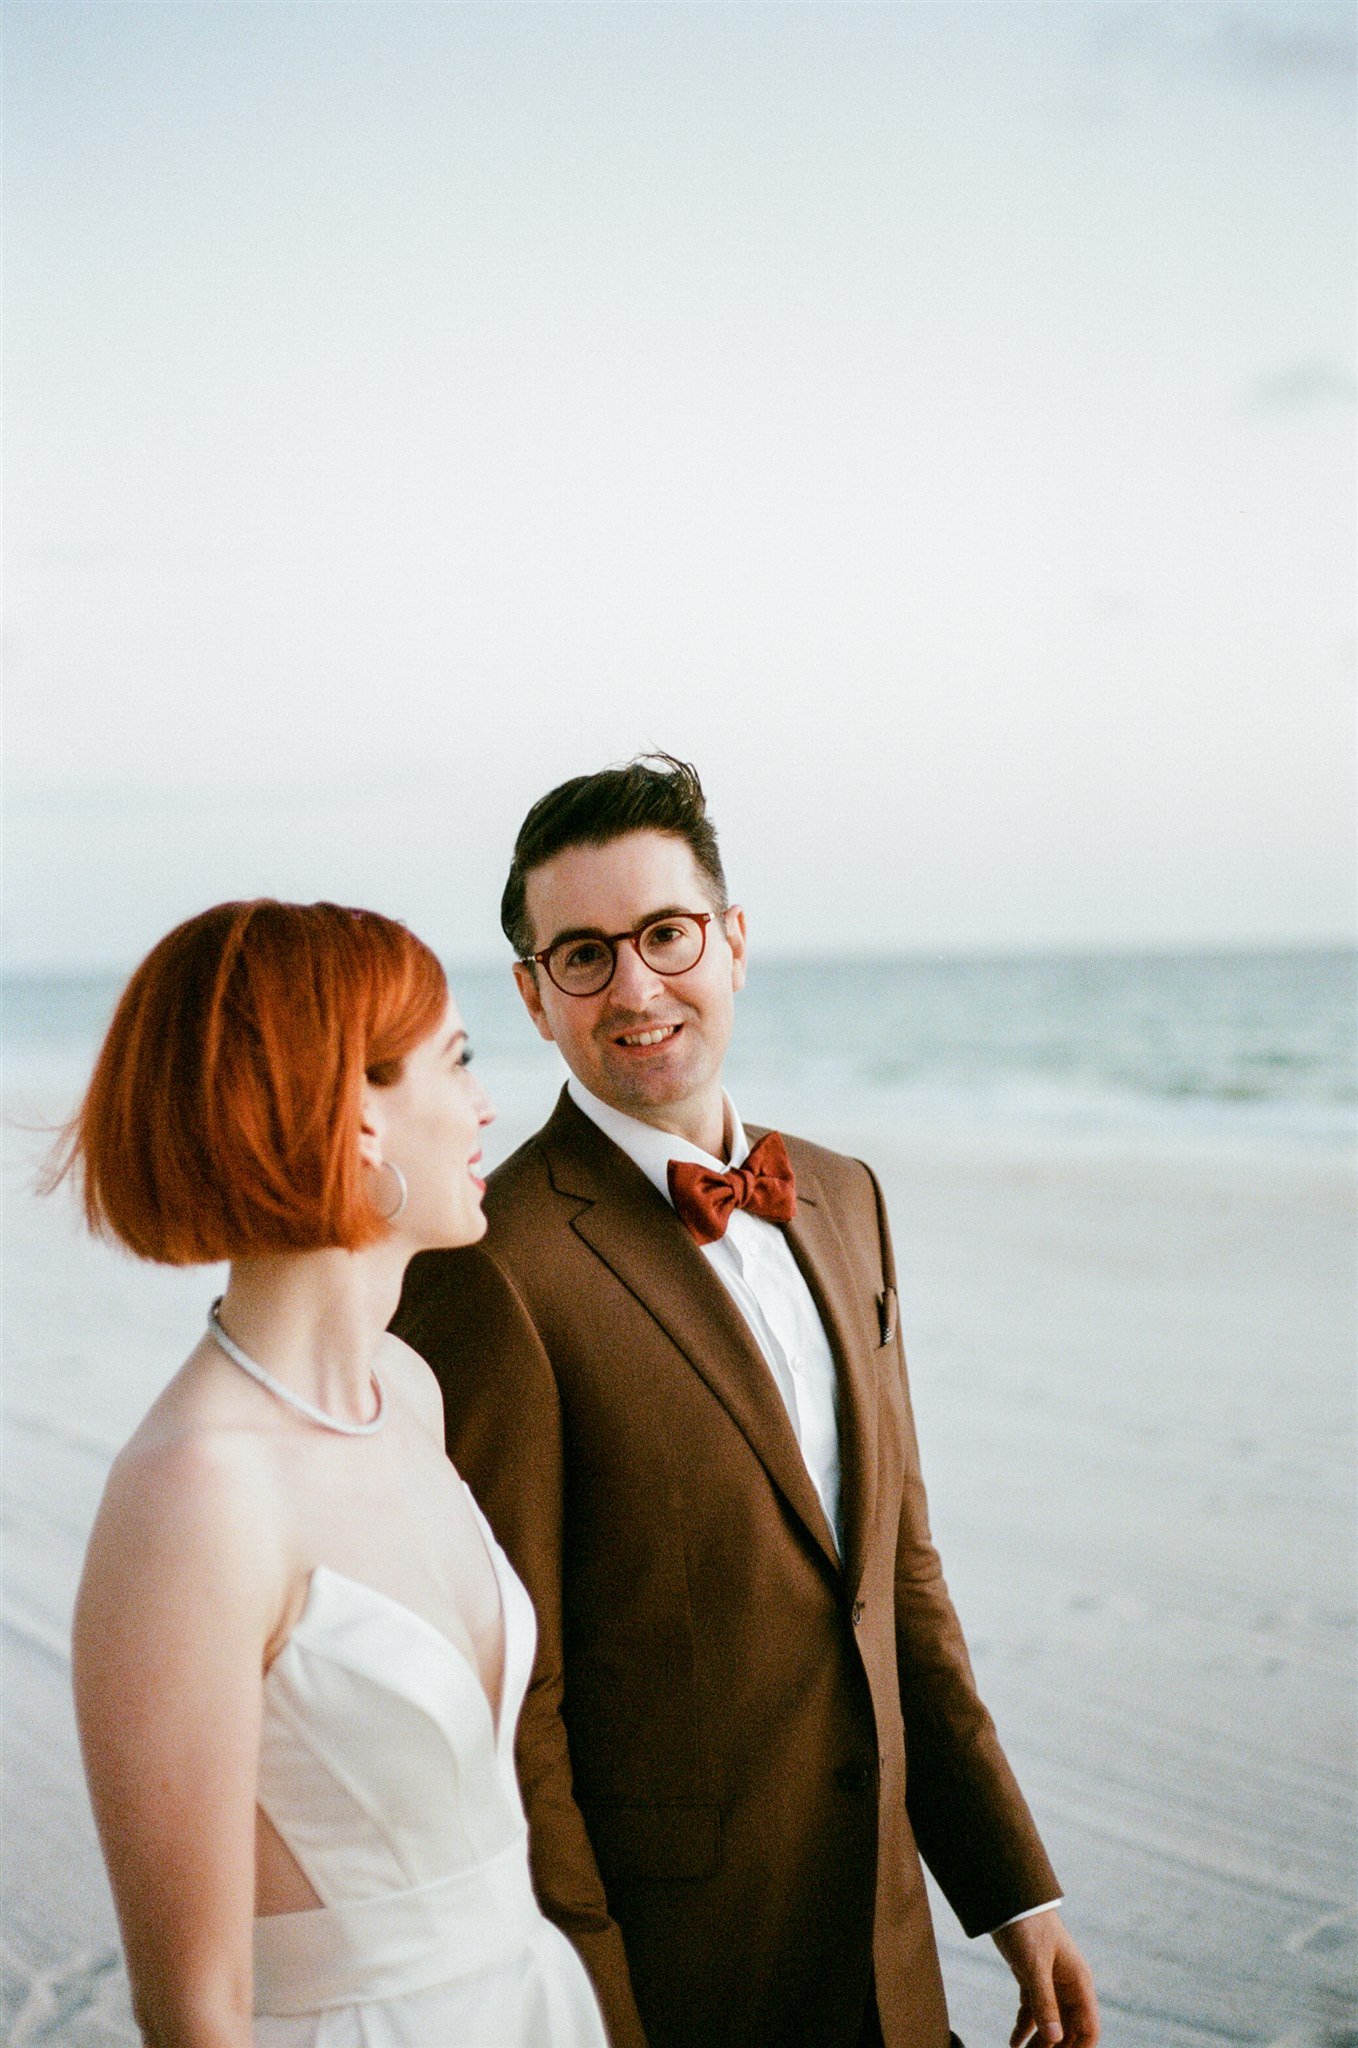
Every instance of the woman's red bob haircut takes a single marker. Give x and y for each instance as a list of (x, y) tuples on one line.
[(222, 1120)]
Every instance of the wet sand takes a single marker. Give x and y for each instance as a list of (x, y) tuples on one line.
[(1133, 1372)]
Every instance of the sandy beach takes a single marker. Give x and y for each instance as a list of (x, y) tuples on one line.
[(1133, 1370)]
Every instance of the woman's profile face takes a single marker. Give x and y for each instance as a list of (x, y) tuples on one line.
[(429, 1125)]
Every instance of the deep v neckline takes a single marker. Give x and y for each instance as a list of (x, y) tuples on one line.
[(455, 1650)]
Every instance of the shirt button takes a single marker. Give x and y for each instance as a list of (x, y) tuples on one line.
[(857, 1612)]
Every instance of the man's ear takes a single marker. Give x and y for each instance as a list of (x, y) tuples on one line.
[(527, 980), (733, 923)]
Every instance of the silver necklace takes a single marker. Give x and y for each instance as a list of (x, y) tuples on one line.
[(285, 1394)]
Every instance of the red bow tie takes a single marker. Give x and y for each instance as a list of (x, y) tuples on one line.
[(764, 1185)]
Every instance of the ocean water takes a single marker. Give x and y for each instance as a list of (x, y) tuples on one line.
[(1249, 1044)]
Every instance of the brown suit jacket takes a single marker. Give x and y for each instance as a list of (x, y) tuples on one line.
[(736, 1745)]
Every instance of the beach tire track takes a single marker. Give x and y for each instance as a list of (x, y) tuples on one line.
[(1319, 2037), (88, 1988), (1336, 1936)]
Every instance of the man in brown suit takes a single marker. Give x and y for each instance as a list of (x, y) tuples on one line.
[(677, 1388)]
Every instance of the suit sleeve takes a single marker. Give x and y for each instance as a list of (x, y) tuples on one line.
[(503, 1424), (969, 1817)]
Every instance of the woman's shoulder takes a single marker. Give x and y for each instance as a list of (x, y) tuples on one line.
[(187, 1488), (189, 1565), (202, 1434)]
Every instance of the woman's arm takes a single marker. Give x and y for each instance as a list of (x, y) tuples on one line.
[(184, 1584)]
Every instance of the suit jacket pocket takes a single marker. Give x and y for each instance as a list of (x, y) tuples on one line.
[(635, 1840)]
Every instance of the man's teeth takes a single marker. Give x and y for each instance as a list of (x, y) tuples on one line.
[(648, 1037)]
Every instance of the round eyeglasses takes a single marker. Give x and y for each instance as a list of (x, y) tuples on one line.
[(583, 963)]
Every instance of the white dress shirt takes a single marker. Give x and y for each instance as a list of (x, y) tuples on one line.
[(756, 1267)]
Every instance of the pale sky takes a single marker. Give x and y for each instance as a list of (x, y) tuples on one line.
[(935, 420)]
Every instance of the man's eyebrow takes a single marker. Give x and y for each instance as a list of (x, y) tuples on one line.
[(596, 931)]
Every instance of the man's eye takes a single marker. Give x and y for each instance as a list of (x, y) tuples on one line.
[(587, 953), (665, 935)]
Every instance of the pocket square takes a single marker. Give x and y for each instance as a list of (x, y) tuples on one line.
[(886, 1313)]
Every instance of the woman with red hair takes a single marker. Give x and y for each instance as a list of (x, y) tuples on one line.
[(299, 1652)]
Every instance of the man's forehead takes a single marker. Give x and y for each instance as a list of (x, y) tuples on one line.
[(613, 884)]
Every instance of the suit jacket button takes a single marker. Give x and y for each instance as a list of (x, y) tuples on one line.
[(854, 1777), (857, 1612)]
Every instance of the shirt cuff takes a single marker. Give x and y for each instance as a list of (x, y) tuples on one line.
[(1031, 1914)]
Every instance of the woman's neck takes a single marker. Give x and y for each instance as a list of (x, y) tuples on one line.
[(316, 1320)]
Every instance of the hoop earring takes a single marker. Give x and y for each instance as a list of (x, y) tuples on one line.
[(402, 1191)]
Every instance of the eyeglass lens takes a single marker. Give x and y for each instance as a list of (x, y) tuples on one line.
[(583, 966)]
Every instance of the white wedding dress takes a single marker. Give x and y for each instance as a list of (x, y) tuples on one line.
[(382, 1769)]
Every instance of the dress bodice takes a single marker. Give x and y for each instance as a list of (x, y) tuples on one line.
[(366, 1708), (389, 1778)]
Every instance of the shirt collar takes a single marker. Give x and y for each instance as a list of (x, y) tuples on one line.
[(650, 1149)]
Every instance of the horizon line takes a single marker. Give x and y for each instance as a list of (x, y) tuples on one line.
[(923, 955)]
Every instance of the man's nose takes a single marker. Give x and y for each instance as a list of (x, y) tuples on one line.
[(634, 984)]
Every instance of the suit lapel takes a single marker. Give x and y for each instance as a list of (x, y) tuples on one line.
[(633, 1229), (824, 1259)]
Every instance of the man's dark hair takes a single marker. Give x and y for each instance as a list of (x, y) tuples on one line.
[(653, 793)]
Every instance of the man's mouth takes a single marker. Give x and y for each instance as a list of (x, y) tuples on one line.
[(655, 1034)]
